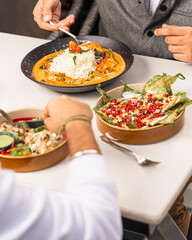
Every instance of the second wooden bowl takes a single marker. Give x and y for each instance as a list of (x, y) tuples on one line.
[(137, 136)]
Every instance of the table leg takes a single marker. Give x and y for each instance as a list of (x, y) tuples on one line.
[(130, 235), (166, 230)]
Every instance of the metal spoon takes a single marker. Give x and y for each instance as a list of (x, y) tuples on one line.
[(28, 124), (5, 115), (61, 29)]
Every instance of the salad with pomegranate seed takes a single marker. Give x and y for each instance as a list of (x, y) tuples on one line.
[(155, 105)]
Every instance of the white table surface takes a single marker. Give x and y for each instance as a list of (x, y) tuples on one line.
[(145, 194)]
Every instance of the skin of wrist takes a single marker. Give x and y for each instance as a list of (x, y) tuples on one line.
[(80, 136)]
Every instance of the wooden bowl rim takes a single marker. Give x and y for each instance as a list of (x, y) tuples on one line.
[(132, 130), (30, 156)]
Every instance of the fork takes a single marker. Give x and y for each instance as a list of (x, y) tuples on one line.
[(61, 29), (140, 160)]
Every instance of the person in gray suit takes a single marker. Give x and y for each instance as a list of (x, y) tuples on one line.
[(157, 28), (137, 24)]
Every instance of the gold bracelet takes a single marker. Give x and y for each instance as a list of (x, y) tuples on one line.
[(74, 117)]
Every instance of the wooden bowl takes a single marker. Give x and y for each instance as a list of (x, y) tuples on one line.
[(32, 162), (136, 136)]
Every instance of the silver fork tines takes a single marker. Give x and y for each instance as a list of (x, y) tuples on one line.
[(140, 160)]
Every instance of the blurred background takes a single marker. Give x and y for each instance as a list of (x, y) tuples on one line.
[(16, 16)]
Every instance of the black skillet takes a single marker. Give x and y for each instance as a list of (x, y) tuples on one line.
[(36, 54)]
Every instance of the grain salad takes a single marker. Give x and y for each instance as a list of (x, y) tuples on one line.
[(30, 141)]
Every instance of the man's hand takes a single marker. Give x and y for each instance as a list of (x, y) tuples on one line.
[(51, 10), (179, 40), (59, 109), (79, 132)]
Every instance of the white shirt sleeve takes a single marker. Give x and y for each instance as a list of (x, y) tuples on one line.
[(87, 209), (153, 5)]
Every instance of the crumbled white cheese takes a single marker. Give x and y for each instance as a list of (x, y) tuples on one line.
[(128, 95), (150, 92), (157, 120)]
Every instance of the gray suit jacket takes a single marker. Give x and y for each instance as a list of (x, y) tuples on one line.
[(130, 22)]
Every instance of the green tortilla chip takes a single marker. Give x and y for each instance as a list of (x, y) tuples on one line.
[(173, 101), (169, 80), (162, 83), (105, 98), (156, 84), (96, 108), (183, 94), (170, 118), (128, 89), (182, 104), (105, 118)]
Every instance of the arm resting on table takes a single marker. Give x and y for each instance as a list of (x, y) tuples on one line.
[(86, 209)]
